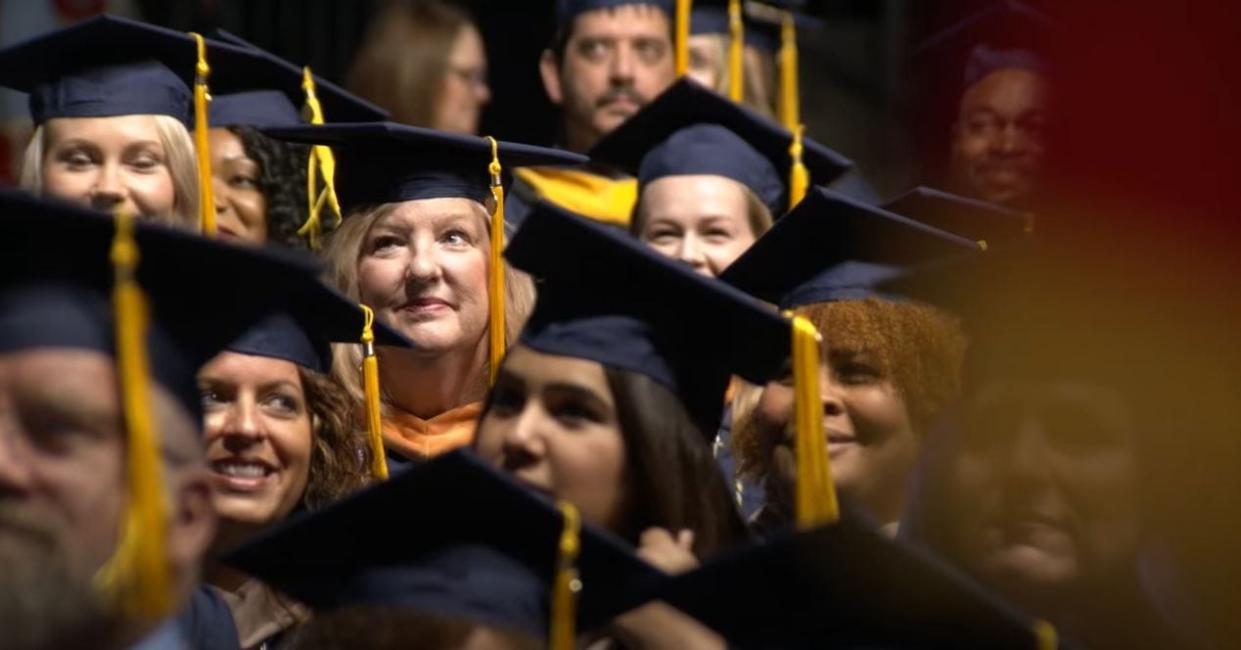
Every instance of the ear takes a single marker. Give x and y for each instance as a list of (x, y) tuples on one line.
[(549, 70), (192, 522)]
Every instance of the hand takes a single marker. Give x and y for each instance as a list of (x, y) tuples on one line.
[(671, 555)]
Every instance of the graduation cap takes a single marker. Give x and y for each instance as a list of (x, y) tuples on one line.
[(160, 302), (106, 66), (848, 585), (834, 248), (605, 297), (485, 549), (724, 18), (981, 221), (783, 17), (690, 130), (271, 93)]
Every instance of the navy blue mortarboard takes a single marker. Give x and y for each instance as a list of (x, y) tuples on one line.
[(765, 21), (690, 130), (848, 585), (202, 293), (567, 10), (832, 248), (484, 550), (107, 66), (271, 92), (382, 162), (971, 218), (605, 297), (304, 333)]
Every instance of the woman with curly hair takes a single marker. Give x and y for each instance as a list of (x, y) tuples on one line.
[(889, 366), (281, 437), (259, 185)]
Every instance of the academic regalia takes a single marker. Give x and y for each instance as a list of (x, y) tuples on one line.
[(208, 621), (970, 218), (112, 283), (690, 130), (484, 551), (383, 162)]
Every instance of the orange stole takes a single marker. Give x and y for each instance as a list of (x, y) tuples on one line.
[(419, 439)]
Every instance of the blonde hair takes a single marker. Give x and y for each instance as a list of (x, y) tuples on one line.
[(758, 74), (342, 254), (178, 152)]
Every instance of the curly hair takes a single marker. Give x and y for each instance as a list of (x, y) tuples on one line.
[(282, 179), (340, 456), (919, 348)]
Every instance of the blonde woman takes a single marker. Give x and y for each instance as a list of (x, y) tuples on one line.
[(111, 131), (415, 248)]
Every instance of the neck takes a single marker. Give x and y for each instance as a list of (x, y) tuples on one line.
[(426, 385)]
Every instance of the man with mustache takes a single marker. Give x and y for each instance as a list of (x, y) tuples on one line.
[(607, 60), (105, 499), (997, 149)]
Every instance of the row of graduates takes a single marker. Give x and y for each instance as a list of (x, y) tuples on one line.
[(593, 445)]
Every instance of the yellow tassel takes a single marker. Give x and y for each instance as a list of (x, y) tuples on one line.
[(136, 580), (370, 385), (681, 42), (790, 112), (495, 268), (799, 176), (321, 163), (816, 494), (736, 48), (564, 592), (1046, 636), (202, 146)]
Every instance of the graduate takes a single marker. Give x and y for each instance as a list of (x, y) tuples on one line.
[(260, 184), (111, 100), (420, 246), (105, 497), (282, 436), (712, 175), (890, 366)]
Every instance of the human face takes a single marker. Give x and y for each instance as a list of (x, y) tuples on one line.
[(701, 220), (615, 61), (552, 423), (871, 443), (240, 205), (258, 433), (109, 163), (1045, 478), (464, 91), (423, 269), (997, 144), (706, 60)]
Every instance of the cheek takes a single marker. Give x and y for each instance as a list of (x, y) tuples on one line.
[(588, 470), (489, 438), (378, 278), (61, 183), (880, 410), (466, 272), (154, 193), (86, 488)]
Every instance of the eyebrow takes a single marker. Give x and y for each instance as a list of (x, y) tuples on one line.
[(579, 391)]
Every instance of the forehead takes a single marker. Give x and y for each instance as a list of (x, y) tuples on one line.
[(250, 369), (694, 195), (538, 369), (1008, 90), (119, 128), (429, 211), (632, 20)]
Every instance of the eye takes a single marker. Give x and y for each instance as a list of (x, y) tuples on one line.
[(385, 242), (283, 404), (663, 234), (717, 235), (574, 414), (457, 237), (145, 163), (650, 50), (212, 399), (506, 401), (243, 182), (593, 49), (856, 373), (76, 159)]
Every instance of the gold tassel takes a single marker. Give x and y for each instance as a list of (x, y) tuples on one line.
[(495, 269), (202, 146), (799, 176), (1046, 636), (736, 49), (321, 163), (790, 111), (564, 592), (816, 494), (136, 580), (370, 385), (681, 42)]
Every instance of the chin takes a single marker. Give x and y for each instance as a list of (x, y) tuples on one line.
[(244, 512), (1027, 565)]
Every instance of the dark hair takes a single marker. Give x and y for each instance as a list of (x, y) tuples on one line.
[(561, 38), (282, 179), (340, 456), (673, 479), (381, 627)]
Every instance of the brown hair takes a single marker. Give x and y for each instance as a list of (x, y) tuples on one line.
[(404, 57), (344, 250), (758, 216), (673, 479), (340, 456), (919, 348)]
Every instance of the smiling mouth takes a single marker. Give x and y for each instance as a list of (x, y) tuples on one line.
[(242, 474)]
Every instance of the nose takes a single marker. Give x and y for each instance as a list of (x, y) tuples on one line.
[(482, 93), (423, 267), (622, 69), (690, 251), (108, 190), (1026, 459), (833, 400), (523, 440), (240, 425), (14, 462), (1011, 140)]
